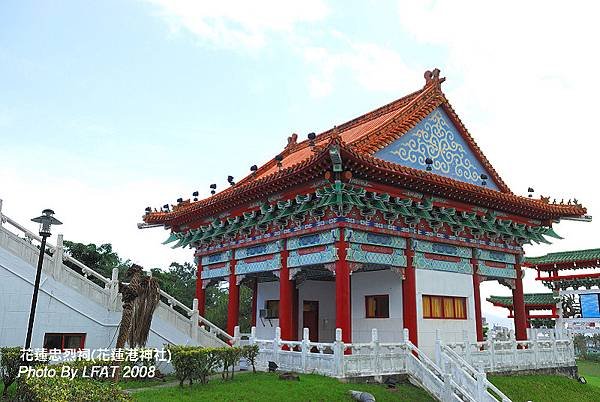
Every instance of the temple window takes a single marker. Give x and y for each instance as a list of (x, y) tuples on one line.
[(445, 307), (64, 341), (272, 307), (377, 306)]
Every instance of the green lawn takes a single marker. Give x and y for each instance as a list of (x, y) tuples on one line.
[(546, 388), (268, 387), (590, 370)]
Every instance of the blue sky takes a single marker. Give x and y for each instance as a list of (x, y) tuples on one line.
[(107, 107)]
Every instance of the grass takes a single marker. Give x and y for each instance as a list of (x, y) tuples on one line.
[(548, 388), (590, 370), (132, 384), (268, 387), (545, 388)]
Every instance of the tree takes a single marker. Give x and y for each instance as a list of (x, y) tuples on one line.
[(101, 259), (140, 298), (178, 280)]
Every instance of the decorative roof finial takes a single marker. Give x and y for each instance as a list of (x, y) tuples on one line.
[(335, 133), (433, 77), (292, 140)]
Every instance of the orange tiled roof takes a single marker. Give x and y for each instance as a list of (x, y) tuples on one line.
[(361, 138)]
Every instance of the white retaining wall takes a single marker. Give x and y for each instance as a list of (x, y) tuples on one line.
[(440, 283)]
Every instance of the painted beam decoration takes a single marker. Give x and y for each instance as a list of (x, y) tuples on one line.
[(216, 265), (375, 249), (260, 258), (341, 198), (495, 264), (442, 257), (313, 249)]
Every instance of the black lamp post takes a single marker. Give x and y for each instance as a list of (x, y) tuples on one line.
[(45, 220)]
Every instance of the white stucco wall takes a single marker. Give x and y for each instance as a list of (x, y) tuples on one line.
[(442, 283), (376, 283), (324, 293), (61, 309), (362, 284), (265, 329)]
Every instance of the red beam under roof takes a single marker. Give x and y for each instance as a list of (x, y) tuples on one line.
[(568, 277)]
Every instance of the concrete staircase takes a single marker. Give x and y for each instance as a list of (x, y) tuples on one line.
[(173, 316)]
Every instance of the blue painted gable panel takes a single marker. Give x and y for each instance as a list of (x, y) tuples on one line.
[(437, 138)]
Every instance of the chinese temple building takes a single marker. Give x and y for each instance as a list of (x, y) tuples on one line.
[(389, 221), (533, 302), (556, 271)]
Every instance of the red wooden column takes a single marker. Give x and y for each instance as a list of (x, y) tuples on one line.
[(254, 301), (477, 301), (285, 299), (409, 295), (519, 307), (233, 307), (200, 293), (343, 317)]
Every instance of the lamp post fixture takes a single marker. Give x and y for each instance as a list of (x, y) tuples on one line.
[(46, 220)]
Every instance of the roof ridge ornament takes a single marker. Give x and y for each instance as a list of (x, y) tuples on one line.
[(292, 141), (433, 77)]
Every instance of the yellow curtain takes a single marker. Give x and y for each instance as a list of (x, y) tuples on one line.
[(371, 306), (426, 307), (436, 307), (448, 307), (459, 305)]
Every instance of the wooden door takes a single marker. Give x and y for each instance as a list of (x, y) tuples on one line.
[(310, 319)]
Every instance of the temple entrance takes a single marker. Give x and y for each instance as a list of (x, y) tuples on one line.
[(310, 319)]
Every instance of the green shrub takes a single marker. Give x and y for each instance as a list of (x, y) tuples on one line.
[(198, 363), (229, 357), (58, 389), (10, 361), (250, 353)]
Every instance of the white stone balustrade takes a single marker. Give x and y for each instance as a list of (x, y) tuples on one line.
[(19, 241), (544, 349), (450, 379)]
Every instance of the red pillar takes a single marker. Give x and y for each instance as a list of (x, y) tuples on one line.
[(519, 307), (254, 301), (294, 311), (477, 301), (285, 299), (409, 296), (233, 307), (200, 293), (343, 318)]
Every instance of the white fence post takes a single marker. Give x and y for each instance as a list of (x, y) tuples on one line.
[(554, 350), (237, 337), (375, 352), (252, 339), (481, 384), (194, 316), (305, 348), (1, 220), (338, 354), (58, 257), (448, 394), (467, 347), (114, 289), (438, 349), (276, 345)]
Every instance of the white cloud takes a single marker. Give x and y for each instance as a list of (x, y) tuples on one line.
[(244, 25), (522, 77), (373, 67), (239, 23)]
